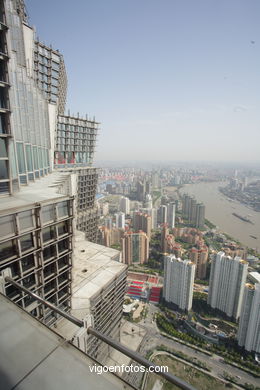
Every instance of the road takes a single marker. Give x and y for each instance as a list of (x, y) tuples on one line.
[(153, 339)]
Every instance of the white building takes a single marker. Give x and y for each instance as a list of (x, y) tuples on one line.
[(124, 205), (227, 278), (249, 324), (171, 215), (120, 220), (148, 201), (178, 281)]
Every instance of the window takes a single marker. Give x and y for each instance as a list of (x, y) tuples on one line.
[(21, 158), (48, 233), (29, 281), (3, 150), (48, 213), (40, 157), (28, 150), (49, 252), (35, 157), (63, 228), (8, 249), (2, 124), (63, 262), (12, 160), (3, 170), (26, 242), (49, 270), (26, 220), (7, 225), (63, 245), (27, 263), (63, 210)]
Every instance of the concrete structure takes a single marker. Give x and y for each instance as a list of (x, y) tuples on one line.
[(142, 221), (50, 73), (124, 205), (171, 215), (98, 288), (178, 281), (249, 323), (36, 244), (120, 220), (226, 284), (135, 248)]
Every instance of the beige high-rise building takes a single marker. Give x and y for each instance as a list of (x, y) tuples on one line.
[(135, 248), (200, 258), (142, 222)]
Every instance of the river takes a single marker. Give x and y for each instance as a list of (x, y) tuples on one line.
[(219, 211)]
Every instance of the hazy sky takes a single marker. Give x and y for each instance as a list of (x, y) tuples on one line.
[(167, 79)]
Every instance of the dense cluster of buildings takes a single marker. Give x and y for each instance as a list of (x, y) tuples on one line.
[(193, 212)]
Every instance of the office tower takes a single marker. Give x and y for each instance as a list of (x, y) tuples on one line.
[(186, 205), (155, 180), (178, 281), (192, 211), (148, 187), (135, 248), (124, 205), (171, 215), (142, 222), (226, 284), (199, 257), (148, 201), (200, 216), (249, 323), (162, 214), (73, 152), (47, 183), (120, 220), (140, 189)]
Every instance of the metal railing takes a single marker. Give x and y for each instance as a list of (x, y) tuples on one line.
[(108, 340)]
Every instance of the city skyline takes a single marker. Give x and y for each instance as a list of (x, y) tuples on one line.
[(171, 81)]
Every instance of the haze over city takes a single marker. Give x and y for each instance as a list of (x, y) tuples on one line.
[(168, 80)]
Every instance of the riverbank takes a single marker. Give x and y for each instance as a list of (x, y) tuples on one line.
[(219, 211)]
